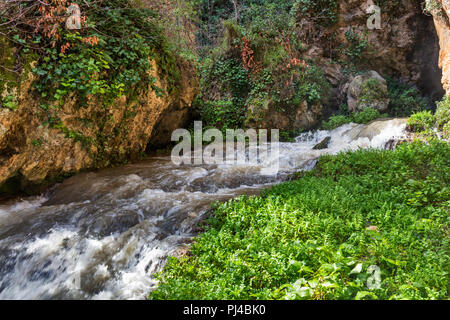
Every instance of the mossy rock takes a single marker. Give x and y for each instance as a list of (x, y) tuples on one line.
[(8, 79), (368, 91)]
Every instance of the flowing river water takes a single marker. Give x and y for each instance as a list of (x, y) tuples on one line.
[(101, 235)]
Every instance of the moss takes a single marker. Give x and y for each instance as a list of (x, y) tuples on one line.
[(9, 80), (443, 112)]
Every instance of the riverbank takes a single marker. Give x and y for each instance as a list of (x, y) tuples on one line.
[(327, 234)]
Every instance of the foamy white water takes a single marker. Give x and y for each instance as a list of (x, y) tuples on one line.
[(103, 235)]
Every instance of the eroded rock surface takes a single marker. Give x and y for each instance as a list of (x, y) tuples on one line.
[(35, 154)]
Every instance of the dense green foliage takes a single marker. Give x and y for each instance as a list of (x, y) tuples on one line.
[(316, 237), (365, 116), (251, 60), (404, 99), (427, 125), (443, 112)]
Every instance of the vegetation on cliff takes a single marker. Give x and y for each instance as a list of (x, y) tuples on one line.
[(320, 236), (108, 56)]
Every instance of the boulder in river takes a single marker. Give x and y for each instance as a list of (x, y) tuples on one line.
[(323, 144)]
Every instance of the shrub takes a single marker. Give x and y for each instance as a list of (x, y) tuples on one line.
[(107, 60), (325, 12), (421, 121), (367, 115), (371, 92), (404, 100), (335, 122)]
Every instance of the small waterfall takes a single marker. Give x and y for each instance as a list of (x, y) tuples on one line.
[(102, 235)]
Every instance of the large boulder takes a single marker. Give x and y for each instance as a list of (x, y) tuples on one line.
[(368, 91)]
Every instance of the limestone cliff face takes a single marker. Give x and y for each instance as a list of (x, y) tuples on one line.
[(441, 13), (406, 46), (33, 154)]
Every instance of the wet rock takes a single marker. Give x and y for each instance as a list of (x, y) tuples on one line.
[(368, 91), (323, 144)]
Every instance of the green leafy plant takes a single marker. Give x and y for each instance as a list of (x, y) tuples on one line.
[(404, 99), (371, 92), (365, 116), (112, 64), (10, 102)]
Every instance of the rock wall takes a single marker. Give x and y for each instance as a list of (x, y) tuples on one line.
[(34, 154), (406, 46)]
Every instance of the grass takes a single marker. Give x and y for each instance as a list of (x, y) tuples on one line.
[(319, 236), (365, 116)]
